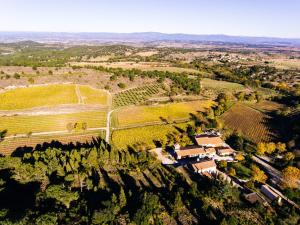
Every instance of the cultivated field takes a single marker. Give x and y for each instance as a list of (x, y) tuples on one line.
[(266, 106), (138, 115), (220, 85), (144, 135), (93, 96), (35, 96), (10, 145), (48, 123), (251, 123), (135, 95)]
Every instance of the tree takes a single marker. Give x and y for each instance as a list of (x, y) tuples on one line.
[(232, 172), (258, 175), (84, 126), (177, 205), (223, 164), (270, 147), (59, 194), (2, 135), (122, 198), (261, 148), (239, 157), (70, 127), (31, 80), (291, 177), (289, 156), (281, 147), (121, 85), (240, 96)]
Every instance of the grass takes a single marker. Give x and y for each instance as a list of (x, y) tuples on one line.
[(149, 114), (252, 123), (242, 171), (144, 135), (221, 85), (35, 96), (93, 96), (46, 123)]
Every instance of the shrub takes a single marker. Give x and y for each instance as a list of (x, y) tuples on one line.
[(121, 85)]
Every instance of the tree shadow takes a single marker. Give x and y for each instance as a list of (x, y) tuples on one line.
[(18, 198), (95, 142)]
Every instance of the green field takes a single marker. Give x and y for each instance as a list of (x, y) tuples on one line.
[(49, 95), (145, 135), (46, 123), (221, 85), (137, 115), (93, 96), (135, 96)]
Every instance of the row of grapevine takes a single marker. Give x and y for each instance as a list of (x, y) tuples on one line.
[(135, 96)]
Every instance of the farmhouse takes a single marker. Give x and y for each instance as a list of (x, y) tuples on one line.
[(270, 193), (210, 152), (205, 167), (209, 140), (193, 151), (225, 151), (189, 152), (254, 198)]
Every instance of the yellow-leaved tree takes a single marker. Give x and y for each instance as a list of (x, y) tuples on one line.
[(261, 148), (291, 177), (258, 175)]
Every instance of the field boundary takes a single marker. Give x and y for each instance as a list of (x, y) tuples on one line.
[(151, 124)]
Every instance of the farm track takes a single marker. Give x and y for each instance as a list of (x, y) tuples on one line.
[(108, 118), (79, 96), (53, 110)]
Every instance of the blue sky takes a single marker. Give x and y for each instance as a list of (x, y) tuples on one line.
[(276, 18)]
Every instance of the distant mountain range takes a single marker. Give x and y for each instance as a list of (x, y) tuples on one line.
[(144, 37)]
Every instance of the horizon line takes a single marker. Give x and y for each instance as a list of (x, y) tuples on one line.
[(139, 32)]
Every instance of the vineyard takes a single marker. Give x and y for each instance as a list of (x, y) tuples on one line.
[(158, 113), (93, 96), (211, 88), (221, 86), (250, 122), (47, 123), (135, 96), (145, 136), (35, 96), (266, 106), (9, 145), (50, 95)]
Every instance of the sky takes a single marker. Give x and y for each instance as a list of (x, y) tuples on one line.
[(272, 18)]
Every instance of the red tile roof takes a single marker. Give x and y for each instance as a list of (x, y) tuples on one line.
[(225, 150), (204, 165), (192, 150), (204, 139)]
